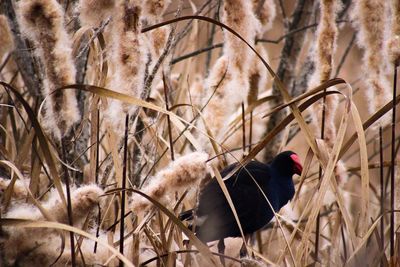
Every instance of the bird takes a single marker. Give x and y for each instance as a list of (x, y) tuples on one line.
[(213, 218)]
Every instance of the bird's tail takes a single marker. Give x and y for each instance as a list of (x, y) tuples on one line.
[(186, 215)]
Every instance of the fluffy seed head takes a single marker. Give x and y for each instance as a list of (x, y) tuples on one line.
[(129, 55), (393, 42), (265, 13), (185, 172), (42, 21), (370, 20), (239, 15), (7, 42), (93, 12), (154, 9)]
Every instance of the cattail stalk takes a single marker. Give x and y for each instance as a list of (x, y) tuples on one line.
[(393, 46), (42, 21), (392, 167), (123, 191), (382, 194)]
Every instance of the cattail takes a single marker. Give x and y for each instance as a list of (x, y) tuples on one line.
[(128, 57), (393, 42), (265, 11), (93, 12), (157, 39), (224, 95), (185, 172), (83, 200), (238, 14), (229, 76), (42, 21), (19, 189), (154, 9), (7, 42), (326, 45), (196, 91), (43, 244), (371, 22), (249, 262)]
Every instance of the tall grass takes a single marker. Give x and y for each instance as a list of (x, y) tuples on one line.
[(104, 186)]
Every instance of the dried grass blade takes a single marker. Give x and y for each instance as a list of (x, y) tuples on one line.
[(362, 145), (204, 250), (364, 239), (229, 200), (48, 156), (44, 212), (306, 168), (333, 158)]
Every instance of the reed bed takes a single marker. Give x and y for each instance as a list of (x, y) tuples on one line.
[(114, 114)]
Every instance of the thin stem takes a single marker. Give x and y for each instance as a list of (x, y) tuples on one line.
[(121, 228), (171, 143), (320, 176), (382, 184), (243, 130), (69, 204), (392, 183)]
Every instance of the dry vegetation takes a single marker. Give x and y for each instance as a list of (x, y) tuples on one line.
[(111, 120)]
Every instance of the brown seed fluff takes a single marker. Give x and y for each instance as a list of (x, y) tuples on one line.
[(7, 42), (42, 21), (93, 12), (394, 38), (129, 55), (371, 24)]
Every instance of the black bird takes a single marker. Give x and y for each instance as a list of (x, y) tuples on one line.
[(213, 217)]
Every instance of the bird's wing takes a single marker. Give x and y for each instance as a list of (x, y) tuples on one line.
[(253, 171), (217, 217)]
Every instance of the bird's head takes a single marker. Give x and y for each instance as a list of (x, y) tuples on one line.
[(288, 162)]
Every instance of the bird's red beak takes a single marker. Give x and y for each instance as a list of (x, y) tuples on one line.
[(298, 168)]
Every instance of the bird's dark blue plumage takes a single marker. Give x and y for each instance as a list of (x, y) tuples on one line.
[(213, 217)]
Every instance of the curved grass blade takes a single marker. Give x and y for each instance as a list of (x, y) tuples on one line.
[(48, 156)]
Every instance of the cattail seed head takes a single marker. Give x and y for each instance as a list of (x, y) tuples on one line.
[(7, 42), (185, 172), (129, 53), (371, 22), (42, 21), (93, 12), (393, 42), (154, 9), (266, 13), (239, 15)]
